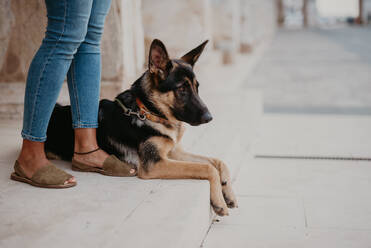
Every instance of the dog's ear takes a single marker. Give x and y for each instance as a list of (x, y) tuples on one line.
[(158, 61), (192, 56)]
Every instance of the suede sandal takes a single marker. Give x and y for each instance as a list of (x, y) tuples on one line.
[(48, 176), (112, 166)]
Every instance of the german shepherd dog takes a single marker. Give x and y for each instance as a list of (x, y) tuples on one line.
[(145, 124)]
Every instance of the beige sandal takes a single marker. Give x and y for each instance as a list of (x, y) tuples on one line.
[(112, 166), (48, 176)]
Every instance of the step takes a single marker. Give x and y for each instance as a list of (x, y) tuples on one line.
[(100, 211), (103, 212), (110, 212), (107, 211)]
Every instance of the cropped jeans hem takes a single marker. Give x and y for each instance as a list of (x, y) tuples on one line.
[(83, 125), (33, 138)]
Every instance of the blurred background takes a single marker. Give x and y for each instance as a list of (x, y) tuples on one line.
[(311, 66)]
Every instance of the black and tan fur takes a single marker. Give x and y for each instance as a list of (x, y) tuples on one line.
[(169, 90)]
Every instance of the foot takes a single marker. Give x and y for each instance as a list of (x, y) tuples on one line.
[(94, 159), (219, 210), (216, 195), (229, 196), (32, 164)]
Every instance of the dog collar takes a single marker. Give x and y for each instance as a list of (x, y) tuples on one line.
[(143, 113), (152, 117)]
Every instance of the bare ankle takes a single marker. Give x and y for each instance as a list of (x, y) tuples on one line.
[(85, 139), (32, 150)]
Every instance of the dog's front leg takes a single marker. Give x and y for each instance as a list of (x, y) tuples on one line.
[(154, 163), (179, 154)]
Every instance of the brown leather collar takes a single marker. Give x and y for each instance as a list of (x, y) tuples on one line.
[(150, 116)]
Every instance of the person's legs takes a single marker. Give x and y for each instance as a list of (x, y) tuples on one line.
[(84, 74), (66, 29), (83, 79)]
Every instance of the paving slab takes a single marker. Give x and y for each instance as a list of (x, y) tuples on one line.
[(89, 210), (262, 177), (336, 238), (268, 237), (221, 236), (344, 212), (341, 179), (267, 211), (314, 135), (298, 203), (295, 177)]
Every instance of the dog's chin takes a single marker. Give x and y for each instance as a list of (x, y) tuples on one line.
[(195, 123), (192, 123)]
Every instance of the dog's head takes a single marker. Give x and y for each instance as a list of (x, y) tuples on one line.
[(174, 84)]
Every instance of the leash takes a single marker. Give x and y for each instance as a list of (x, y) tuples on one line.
[(143, 113), (128, 111)]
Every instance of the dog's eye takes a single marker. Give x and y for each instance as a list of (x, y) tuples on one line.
[(182, 88)]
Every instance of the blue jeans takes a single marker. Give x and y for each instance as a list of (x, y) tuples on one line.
[(71, 47)]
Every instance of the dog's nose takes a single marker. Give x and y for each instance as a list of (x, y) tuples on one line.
[(206, 117)]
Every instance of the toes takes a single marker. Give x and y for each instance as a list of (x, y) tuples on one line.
[(230, 203), (220, 210), (71, 180)]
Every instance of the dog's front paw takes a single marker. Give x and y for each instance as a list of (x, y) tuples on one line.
[(229, 196), (219, 210)]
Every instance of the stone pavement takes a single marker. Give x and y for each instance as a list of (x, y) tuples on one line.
[(128, 212), (316, 71), (315, 83), (302, 203)]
